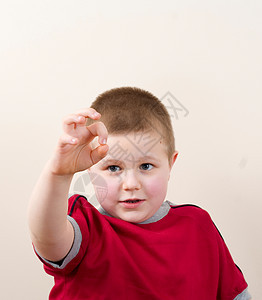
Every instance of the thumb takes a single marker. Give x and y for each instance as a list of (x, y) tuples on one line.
[(98, 153)]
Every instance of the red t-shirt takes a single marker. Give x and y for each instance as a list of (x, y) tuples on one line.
[(182, 256)]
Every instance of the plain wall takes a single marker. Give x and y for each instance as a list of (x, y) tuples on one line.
[(57, 56)]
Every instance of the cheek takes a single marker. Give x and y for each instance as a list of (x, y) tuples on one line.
[(112, 188), (156, 186)]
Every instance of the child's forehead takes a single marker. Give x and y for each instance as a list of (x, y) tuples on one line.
[(138, 145), (139, 137), (136, 139)]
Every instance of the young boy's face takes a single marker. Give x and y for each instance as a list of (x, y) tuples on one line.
[(136, 178)]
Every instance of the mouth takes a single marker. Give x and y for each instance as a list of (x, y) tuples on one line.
[(132, 200), (132, 203)]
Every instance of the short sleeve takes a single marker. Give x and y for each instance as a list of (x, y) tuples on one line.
[(231, 279), (79, 221), (224, 279), (243, 296)]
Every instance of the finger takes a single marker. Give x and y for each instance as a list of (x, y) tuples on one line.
[(80, 117), (89, 113), (66, 139), (73, 119), (99, 129), (99, 153)]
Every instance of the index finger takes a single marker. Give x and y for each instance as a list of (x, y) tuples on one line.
[(71, 121), (99, 129), (89, 113)]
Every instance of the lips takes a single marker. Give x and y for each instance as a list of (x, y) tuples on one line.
[(132, 203), (132, 200)]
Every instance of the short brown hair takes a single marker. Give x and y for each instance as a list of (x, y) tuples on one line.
[(130, 109)]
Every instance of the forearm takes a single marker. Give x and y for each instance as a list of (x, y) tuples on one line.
[(47, 213), (52, 234)]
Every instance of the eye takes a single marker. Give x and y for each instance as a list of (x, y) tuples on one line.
[(113, 168), (146, 167)]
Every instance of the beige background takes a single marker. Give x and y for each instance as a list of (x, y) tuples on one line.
[(56, 56)]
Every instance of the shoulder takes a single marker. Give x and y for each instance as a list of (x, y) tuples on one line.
[(192, 214), (78, 205), (76, 201), (189, 210)]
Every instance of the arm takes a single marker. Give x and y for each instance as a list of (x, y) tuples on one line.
[(52, 234)]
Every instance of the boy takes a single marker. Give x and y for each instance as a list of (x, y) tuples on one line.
[(136, 245)]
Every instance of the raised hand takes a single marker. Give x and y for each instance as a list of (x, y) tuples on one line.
[(74, 152)]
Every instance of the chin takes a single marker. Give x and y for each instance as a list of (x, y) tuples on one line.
[(133, 219)]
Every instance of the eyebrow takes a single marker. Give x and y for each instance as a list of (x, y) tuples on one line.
[(111, 161), (118, 161), (150, 157)]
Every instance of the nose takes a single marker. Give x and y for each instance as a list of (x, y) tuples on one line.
[(131, 181)]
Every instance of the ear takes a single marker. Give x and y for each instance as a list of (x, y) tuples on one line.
[(172, 161), (173, 158)]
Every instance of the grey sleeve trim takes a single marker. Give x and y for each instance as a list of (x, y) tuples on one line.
[(243, 296), (73, 251)]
